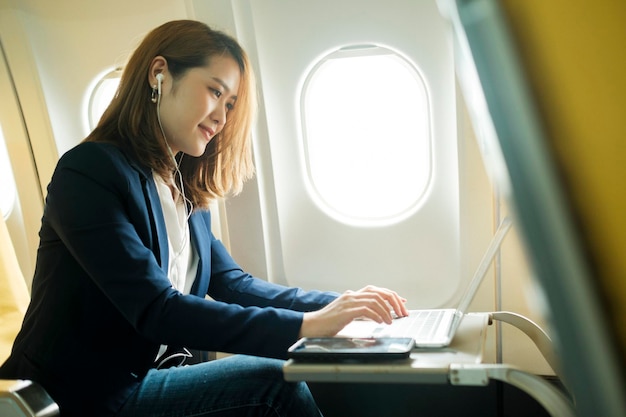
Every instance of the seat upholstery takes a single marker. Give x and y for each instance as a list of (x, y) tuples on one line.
[(14, 293), (17, 398)]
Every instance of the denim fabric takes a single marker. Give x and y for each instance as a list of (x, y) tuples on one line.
[(234, 386)]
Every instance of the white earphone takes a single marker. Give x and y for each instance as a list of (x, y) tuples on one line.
[(159, 78), (181, 187)]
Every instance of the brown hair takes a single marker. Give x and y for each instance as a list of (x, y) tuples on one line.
[(131, 121)]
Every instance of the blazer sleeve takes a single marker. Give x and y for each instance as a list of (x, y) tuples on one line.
[(100, 207)]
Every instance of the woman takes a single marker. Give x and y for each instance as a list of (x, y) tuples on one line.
[(127, 256)]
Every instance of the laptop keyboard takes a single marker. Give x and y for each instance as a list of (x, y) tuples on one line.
[(420, 325)]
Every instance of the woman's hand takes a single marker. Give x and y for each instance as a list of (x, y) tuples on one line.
[(370, 302)]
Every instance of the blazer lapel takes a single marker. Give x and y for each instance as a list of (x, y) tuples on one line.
[(198, 228), (154, 206)]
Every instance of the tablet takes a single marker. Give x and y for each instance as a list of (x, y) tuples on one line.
[(349, 349)]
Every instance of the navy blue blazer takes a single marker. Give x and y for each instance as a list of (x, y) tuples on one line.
[(101, 302)]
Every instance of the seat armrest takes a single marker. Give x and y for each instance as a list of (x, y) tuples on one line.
[(24, 398)]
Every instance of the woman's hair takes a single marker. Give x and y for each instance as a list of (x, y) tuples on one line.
[(131, 120)]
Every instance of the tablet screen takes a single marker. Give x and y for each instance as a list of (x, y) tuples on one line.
[(351, 349)]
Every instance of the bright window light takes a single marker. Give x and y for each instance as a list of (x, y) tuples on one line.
[(7, 181), (367, 135), (102, 94)]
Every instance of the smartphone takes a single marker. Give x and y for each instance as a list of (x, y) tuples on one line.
[(350, 349)]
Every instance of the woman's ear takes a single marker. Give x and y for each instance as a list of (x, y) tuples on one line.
[(157, 66)]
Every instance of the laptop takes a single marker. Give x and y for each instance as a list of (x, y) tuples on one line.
[(431, 328)]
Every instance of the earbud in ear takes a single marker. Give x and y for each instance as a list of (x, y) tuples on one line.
[(159, 78)]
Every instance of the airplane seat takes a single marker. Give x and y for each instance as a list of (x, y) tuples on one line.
[(554, 97), (18, 398)]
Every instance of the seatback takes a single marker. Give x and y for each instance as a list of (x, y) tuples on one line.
[(551, 77), (18, 398), (14, 293)]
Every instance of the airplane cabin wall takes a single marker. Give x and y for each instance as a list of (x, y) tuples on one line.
[(56, 50), (21, 177), (418, 256)]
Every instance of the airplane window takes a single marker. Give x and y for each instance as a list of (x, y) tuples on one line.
[(102, 94), (367, 139), (7, 181)]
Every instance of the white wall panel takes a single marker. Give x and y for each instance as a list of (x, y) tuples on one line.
[(419, 256)]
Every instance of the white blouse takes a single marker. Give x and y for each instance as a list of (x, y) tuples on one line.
[(183, 258)]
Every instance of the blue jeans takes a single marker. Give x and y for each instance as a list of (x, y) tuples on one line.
[(234, 386)]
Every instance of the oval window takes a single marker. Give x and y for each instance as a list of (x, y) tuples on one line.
[(367, 135), (101, 95)]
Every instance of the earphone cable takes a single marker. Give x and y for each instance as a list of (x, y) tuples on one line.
[(178, 175)]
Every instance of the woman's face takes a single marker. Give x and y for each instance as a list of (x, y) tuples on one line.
[(196, 107)]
